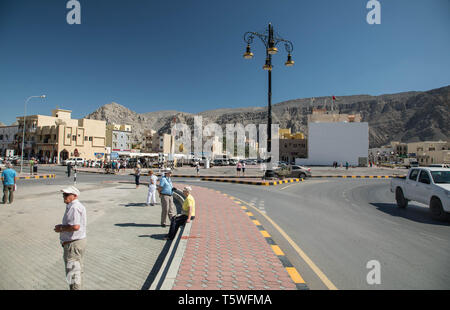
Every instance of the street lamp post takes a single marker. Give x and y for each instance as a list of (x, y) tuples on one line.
[(23, 131), (270, 42)]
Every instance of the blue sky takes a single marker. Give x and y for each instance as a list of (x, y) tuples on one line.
[(186, 55)]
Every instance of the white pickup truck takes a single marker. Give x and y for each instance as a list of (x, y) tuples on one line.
[(427, 185)]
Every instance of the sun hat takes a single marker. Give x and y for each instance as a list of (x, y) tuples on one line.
[(71, 190)]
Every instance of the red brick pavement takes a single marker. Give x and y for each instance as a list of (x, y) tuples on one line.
[(226, 251)]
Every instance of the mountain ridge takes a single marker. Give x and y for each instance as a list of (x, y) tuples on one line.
[(406, 116)]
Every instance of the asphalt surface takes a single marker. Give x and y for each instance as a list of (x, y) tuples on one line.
[(341, 224)]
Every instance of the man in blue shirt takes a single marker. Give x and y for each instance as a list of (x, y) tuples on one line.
[(165, 190), (9, 177)]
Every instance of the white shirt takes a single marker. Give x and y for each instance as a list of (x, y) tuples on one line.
[(153, 178), (75, 215)]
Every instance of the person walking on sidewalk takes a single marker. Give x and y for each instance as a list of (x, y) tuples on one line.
[(69, 168), (137, 175), (9, 178), (151, 196), (243, 168), (31, 165), (186, 216), (238, 168), (165, 190), (72, 235)]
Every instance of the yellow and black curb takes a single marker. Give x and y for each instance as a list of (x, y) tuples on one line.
[(46, 176), (263, 183), (291, 270), (358, 176)]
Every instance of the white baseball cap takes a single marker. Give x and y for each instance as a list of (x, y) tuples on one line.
[(71, 190)]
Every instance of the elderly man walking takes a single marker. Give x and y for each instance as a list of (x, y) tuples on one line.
[(9, 178), (165, 190), (72, 235)]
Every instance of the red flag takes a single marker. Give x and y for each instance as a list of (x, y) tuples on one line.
[(334, 98)]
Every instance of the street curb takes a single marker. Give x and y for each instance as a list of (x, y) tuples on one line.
[(263, 183), (358, 176), (215, 177), (165, 278), (46, 176), (287, 265)]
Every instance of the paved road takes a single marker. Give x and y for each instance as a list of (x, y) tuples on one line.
[(343, 224)]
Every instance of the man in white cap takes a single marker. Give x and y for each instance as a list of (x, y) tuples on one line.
[(72, 234)]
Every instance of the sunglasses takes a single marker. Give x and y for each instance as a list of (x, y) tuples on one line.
[(66, 194)]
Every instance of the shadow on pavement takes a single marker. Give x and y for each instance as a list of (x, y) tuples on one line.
[(155, 236), (412, 212), (159, 261), (137, 225), (134, 204)]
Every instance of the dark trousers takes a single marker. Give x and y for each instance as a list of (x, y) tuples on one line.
[(175, 223), (6, 189)]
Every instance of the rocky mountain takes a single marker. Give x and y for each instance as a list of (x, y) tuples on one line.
[(406, 117)]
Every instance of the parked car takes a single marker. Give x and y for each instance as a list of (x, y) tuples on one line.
[(77, 161), (221, 162), (232, 162), (428, 185), (295, 171)]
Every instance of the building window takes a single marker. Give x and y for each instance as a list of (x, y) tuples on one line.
[(90, 138), (74, 137)]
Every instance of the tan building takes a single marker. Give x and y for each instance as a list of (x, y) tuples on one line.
[(163, 143), (324, 116), (147, 141), (292, 145), (59, 137), (426, 152)]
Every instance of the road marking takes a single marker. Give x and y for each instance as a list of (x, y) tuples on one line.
[(295, 275), (277, 250), (300, 252), (287, 186), (265, 234)]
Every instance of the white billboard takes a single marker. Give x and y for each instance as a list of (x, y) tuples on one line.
[(342, 142)]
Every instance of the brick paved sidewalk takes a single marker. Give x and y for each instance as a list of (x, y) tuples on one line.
[(226, 251)]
